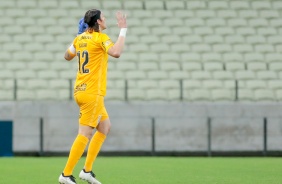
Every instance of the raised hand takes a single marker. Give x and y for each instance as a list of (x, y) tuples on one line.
[(121, 19)]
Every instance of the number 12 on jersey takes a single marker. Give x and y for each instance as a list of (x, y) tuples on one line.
[(82, 61)]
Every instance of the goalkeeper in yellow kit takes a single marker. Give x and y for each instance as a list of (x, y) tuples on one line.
[(92, 48)]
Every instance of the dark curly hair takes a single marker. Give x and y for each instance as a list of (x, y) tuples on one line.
[(91, 17)]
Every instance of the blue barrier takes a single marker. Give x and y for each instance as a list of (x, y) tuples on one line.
[(6, 138)]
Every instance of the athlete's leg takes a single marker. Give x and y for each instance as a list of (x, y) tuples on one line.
[(96, 143), (78, 147)]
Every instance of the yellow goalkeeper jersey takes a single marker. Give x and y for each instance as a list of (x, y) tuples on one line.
[(91, 50)]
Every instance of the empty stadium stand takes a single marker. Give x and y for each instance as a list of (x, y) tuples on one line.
[(205, 50)]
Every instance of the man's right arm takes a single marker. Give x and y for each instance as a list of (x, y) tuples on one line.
[(117, 48)]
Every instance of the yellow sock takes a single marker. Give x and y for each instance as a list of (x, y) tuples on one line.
[(76, 152), (93, 149)]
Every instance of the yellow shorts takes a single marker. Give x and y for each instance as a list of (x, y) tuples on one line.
[(92, 109)]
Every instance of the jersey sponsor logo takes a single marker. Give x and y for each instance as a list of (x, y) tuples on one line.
[(85, 37), (81, 87), (81, 45)]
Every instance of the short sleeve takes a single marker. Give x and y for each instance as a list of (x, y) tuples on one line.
[(106, 42)]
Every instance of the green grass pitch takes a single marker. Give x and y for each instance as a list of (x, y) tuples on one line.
[(147, 170)]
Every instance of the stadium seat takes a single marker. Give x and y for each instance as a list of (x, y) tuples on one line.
[(160, 31), (179, 75), (175, 5), (136, 95), (24, 94), (243, 48), (275, 84), (59, 84), (200, 48), (8, 4), (211, 56), (164, 57), (36, 84), (7, 21), (266, 31), (246, 95), (234, 39), (154, 5), (183, 14), (142, 14), (226, 13), (194, 22), (222, 48), (25, 74), (133, 5), (203, 30), (157, 75), (256, 66), (194, 5), (19, 55), (275, 66), (223, 75), (274, 40), (163, 14), (234, 66), (192, 39), (148, 56), (245, 75), (135, 74), (147, 66), (16, 65), (191, 66), (198, 95), (48, 4), (222, 95), (15, 12), (141, 47), (255, 39), (256, 84), (201, 75), (156, 94), (267, 75), (140, 30), (112, 5), (147, 84), (127, 56), (212, 84), (232, 56), (239, 5), (31, 30), (216, 5), (254, 56), (149, 39), (169, 84), (277, 5), (259, 5), (213, 39), (171, 39), (212, 66), (206, 13), (237, 22), (191, 56), (115, 95), (264, 95), (215, 22), (47, 74), (159, 48), (189, 84), (258, 22), (126, 66), (57, 13), (224, 30), (46, 94)]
